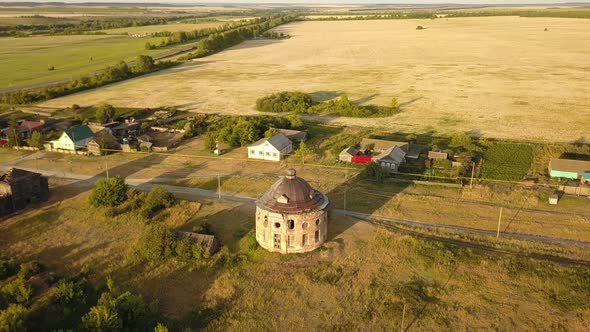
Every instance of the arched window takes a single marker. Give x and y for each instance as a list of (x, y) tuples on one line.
[(265, 221), (317, 222), (317, 236), (304, 225), (291, 223)]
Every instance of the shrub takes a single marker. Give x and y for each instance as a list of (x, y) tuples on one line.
[(50, 68), (285, 101), (7, 268), (13, 318), (158, 198), (156, 243), (109, 192), (295, 121), (375, 172), (68, 293), (19, 290), (29, 269)]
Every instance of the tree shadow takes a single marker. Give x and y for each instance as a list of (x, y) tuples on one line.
[(365, 99), (409, 102), (322, 96)]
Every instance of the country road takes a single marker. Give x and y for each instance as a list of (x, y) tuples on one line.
[(145, 184)]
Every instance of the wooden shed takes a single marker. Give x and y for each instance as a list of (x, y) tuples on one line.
[(209, 242)]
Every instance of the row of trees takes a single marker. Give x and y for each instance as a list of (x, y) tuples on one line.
[(242, 131), (143, 64), (220, 41), (85, 25)]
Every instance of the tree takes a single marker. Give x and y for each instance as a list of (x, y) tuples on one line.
[(296, 121), (303, 151), (13, 318), (14, 138), (344, 102), (144, 64), (19, 289), (157, 199), (102, 318), (210, 141), (160, 328), (271, 132), (36, 140), (104, 112), (461, 142), (374, 172), (109, 192), (394, 103)]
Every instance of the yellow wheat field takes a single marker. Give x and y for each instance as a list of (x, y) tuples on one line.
[(501, 77)]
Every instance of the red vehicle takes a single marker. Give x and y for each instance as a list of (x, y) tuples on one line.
[(362, 160)]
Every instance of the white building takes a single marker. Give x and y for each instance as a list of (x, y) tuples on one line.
[(391, 158), (73, 139), (271, 148)]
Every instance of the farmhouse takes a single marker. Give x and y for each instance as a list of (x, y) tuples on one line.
[(102, 140), (73, 139), (27, 127), (391, 158), (347, 154), (291, 217), (570, 169), (412, 151), (272, 148), (18, 188)]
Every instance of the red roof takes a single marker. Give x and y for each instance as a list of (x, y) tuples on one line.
[(362, 159), (32, 125)]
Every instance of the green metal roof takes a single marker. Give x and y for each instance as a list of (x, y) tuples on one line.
[(79, 133)]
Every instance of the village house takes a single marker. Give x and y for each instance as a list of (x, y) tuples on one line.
[(570, 169), (27, 127), (19, 187), (437, 155), (347, 154), (101, 141), (73, 139), (271, 148), (294, 135), (391, 158), (130, 127), (412, 151)]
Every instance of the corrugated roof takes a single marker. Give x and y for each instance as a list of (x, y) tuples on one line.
[(381, 145), (394, 154), (351, 151), (79, 133), (278, 141), (569, 165), (437, 155)]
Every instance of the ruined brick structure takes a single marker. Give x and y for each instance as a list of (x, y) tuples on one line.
[(291, 217), (18, 188)]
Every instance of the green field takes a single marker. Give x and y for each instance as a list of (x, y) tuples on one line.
[(172, 27), (25, 60), (507, 161)]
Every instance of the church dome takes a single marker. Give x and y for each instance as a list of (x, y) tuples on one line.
[(292, 194)]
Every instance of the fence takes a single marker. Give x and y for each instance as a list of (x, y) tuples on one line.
[(579, 191), (28, 148)]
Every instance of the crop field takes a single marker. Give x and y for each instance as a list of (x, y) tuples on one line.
[(26, 60), (501, 77), (505, 161)]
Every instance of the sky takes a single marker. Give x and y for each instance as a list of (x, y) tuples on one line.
[(508, 2)]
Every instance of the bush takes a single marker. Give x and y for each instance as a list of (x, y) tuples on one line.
[(29, 269), (295, 121), (156, 243), (13, 318), (375, 172), (285, 101), (104, 113), (7, 268), (109, 192), (19, 290), (158, 198)]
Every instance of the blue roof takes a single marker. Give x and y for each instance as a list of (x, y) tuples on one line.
[(586, 175)]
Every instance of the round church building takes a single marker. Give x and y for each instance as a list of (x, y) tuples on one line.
[(291, 217)]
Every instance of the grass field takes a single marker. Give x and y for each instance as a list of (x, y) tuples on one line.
[(25, 60), (363, 276), (494, 76)]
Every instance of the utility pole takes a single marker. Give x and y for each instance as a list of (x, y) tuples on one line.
[(106, 166), (403, 318), (472, 173), (499, 220), (219, 186)]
